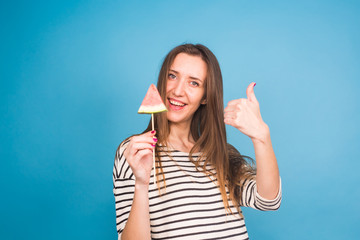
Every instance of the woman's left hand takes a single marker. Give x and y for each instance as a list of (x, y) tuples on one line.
[(244, 114)]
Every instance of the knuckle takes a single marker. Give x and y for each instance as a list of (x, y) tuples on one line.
[(141, 153), (148, 152), (233, 102)]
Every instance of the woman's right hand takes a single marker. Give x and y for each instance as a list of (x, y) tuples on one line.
[(139, 156)]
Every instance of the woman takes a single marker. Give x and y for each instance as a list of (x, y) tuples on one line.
[(201, 180)]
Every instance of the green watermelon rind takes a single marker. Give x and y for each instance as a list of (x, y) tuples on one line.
[(152, 109)]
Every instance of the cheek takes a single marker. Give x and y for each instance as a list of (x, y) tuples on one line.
[(197, 96), (169, 86)]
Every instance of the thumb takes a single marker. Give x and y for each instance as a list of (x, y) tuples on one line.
[(250, 92)]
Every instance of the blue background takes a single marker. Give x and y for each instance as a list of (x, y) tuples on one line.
[(73, 74)]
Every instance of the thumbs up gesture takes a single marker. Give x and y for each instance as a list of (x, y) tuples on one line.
[(244, 114)]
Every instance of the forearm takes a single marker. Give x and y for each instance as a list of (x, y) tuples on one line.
[(267, 176), (138, 223)]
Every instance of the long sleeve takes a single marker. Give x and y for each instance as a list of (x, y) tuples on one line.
[(251, 198)]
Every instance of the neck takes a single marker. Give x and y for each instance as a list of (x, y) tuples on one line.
[(180, 137)]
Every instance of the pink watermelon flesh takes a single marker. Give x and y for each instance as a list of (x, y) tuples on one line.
[(152, 102)]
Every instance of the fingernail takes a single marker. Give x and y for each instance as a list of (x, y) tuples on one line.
[(153, 131), (153, 145), (155, 139), (254, 84)]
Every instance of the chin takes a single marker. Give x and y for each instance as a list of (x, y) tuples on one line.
[(175, 119)]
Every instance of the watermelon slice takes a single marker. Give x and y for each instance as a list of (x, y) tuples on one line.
[(152, 102)]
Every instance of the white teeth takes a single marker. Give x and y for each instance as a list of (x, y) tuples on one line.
[(176, 103)]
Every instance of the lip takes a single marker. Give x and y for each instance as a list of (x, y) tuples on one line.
[(174, 107), (175, 100)]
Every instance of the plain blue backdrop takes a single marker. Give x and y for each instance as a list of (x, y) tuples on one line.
[(73, 74)]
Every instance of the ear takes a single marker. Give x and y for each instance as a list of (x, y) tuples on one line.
[(203, 102)]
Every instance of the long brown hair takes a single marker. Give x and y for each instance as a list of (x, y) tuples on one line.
[(207, 129)]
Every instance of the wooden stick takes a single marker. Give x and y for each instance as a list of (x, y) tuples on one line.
[(153, 128)]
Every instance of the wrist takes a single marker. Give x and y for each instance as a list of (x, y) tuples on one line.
[(263, 134), (141, 186)]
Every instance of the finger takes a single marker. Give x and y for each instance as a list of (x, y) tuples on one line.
[(148, 134), (230, 108), (136, 159), (233, 102), (229, 121), (142, 156), (136, 147), (145, 138), (250, 92), (233, 105), (141, 146), (231, 115), (151, 133), (143, 153)]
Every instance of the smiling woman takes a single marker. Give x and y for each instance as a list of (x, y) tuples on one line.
[(201, 178), (185, 88)]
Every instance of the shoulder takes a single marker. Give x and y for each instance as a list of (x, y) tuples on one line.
[(121, 167), (122, 146)]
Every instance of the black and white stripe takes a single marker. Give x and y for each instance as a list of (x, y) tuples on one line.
[(191, 207)]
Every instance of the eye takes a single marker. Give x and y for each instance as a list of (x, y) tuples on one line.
[(194, 83), (171, 76)]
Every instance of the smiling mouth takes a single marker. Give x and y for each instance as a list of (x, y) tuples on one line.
[(176, 103)]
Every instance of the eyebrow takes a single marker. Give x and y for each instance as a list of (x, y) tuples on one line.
[(195, 78)]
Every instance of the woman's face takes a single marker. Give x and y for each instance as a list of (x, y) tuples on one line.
[(185, 87)]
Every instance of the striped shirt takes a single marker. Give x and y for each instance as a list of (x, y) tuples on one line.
[(191, 207)]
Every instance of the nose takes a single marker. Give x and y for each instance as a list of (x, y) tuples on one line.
[(179, 87)]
